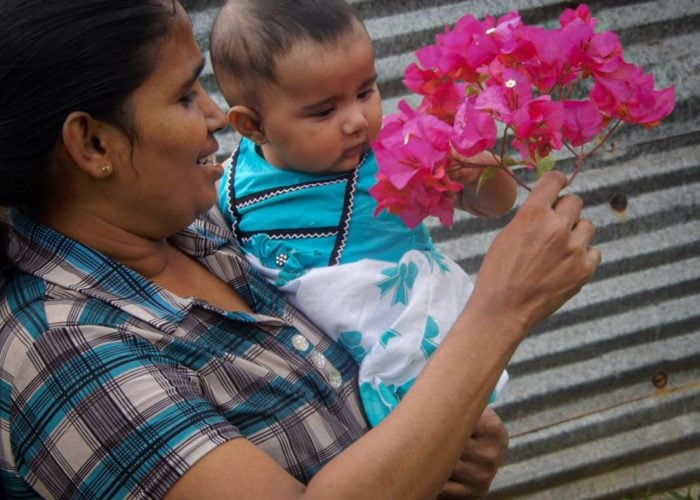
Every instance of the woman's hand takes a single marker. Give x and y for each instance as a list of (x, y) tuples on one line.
[(540, 260), (480, 460)]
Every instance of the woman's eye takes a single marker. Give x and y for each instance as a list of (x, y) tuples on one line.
[(189, 97)]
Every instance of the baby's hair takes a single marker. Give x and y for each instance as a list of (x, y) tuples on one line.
[(249, 37)]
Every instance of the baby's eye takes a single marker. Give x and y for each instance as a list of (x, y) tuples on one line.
[(324, 113), (365, 94)]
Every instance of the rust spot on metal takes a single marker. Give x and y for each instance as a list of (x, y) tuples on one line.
[(660, 379), (618, 202)]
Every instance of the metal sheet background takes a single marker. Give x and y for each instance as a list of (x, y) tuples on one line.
[(585, 416)]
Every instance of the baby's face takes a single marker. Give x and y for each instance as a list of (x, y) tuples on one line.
[(325, 108)]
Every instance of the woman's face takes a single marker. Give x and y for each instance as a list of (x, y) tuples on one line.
[(166, 175)]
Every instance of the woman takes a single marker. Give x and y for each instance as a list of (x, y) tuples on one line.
[(140, 355)]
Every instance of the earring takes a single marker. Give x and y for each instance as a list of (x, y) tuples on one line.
[(106, 168)]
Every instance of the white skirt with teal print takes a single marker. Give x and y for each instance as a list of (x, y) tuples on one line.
[(390, 316)]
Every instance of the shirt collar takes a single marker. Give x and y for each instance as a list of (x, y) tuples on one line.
[(40, 251)]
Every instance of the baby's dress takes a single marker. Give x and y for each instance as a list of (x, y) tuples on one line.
[(376, 286)]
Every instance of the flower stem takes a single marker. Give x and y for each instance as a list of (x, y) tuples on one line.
[(580, 160), (464, 164), (582, 157), (517, 179), (607, 136)]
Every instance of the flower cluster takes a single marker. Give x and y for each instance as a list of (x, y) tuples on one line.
[(500, 85)]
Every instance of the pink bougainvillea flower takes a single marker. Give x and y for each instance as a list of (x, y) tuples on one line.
[(466, 48), (430, 128), (628, 94), (538, 128), (582, 122), (547, 67), (510, 90), (406, 112), (494, 101), (443, 101), (482, 77), (414, 152), (391, 133), (422, 81), (604, 53), (396, 201), (474, 130), (400, 164), (482, 50), (581, 12), (513, 47), (428, 191), (573, 40), (503, 30), (435, 194), (409, 145), (663, 103), (390, 136), (429, 56), (415, 202)]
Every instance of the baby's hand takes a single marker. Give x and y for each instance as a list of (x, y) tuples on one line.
[(467, 171), (480, 459), (495, 198)]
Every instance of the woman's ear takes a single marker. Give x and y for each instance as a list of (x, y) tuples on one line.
[(247, 123), (85, 140)]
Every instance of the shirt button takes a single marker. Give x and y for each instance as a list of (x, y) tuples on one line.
[(319, 360), (300, 342), (335, 379), (281, 259)]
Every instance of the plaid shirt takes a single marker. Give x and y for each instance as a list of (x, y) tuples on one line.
[(112, 387)]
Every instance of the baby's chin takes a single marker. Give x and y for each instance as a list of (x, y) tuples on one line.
[(350, 164), (341, 166)]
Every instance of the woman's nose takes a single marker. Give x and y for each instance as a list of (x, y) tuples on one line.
[(215, 116)]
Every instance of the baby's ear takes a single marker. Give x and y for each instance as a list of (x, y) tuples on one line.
[(247, 123)]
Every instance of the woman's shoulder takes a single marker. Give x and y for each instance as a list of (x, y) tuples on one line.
[(22, 303), (28, 311), (31, 306)]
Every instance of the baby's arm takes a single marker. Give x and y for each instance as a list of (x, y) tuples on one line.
[(495, 198)]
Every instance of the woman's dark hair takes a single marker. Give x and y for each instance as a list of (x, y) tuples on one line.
[(60, 56)]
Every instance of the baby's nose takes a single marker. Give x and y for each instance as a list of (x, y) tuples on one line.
[(355, 122)]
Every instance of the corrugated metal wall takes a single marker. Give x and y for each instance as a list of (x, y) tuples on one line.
[(604, 400)]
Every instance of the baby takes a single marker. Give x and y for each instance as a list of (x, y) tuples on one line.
[(300, 78)]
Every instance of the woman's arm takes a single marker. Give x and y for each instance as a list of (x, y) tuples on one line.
[(470, 478), (540, 260)]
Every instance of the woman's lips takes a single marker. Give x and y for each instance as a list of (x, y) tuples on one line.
[(209, 159), (210, 164)]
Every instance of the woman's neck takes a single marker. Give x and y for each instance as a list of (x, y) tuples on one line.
[(147, 257)]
